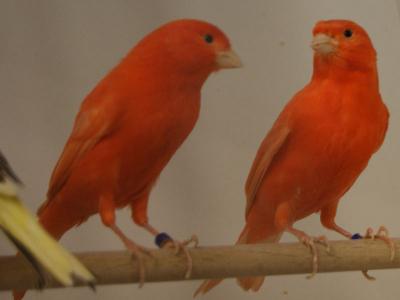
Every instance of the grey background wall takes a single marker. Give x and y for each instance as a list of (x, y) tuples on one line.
[(52, 53)]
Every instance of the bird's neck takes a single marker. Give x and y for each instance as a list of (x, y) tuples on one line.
[(342, 72)]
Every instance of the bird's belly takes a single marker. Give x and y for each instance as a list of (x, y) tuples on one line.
[(127, 163), (309, 175), (145, 155)]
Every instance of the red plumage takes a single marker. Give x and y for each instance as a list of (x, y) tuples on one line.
[(131, 124), (320, 143)]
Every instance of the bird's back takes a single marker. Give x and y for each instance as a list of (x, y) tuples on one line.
[(127, 130)]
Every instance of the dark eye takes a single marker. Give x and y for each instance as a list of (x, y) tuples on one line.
[(348, 33), (208, 38)]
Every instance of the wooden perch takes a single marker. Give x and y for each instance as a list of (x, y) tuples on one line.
[(214, 262)]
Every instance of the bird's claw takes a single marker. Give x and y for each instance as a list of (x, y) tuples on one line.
[(310, 242), (192, 240), (322, 240), (367, 276), (183, 246), (381, 234), (137, 251)]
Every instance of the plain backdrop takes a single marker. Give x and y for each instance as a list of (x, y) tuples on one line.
[(52, 53)]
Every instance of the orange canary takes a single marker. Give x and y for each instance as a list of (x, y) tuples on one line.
[(129, 127), (320, 143)]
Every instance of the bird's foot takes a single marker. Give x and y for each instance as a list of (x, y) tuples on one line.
[(138, 252), (381, 234), (164, 240), (183, 247), (310, 242), (324, 242)]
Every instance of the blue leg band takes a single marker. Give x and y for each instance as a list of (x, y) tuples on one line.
[(356, 236), (161, 239)]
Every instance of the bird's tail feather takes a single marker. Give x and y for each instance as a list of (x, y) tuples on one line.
[(17, 222), (246, 283)]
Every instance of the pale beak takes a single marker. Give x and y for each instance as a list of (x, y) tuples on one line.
[(324, 44), (228, 59)]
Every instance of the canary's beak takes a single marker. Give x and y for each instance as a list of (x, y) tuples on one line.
[(228, 59), (324, 44)]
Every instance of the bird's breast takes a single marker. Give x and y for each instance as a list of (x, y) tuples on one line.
[(150, 138), (330, 144)]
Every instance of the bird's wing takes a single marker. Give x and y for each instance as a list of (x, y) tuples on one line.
[(97, 119), (271, 145), (39, 247)]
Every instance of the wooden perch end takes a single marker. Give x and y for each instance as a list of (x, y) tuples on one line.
[(214, 262)]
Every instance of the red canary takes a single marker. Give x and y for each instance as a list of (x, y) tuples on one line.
[(131, 124), (320, 143)]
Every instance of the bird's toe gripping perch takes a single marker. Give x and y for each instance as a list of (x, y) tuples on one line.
[(163, 239)]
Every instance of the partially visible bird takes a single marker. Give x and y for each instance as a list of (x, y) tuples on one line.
[(129, 127), (31, 239), (319, 145)]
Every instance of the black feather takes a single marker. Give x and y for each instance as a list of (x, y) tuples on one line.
[(25, 252), (6, 171)]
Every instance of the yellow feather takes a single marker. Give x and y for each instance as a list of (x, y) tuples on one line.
[(17, 221)]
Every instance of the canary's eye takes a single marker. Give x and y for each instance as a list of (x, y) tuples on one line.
[(208, 38), (348, 33)]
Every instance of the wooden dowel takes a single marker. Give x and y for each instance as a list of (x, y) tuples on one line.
[(214, 262)]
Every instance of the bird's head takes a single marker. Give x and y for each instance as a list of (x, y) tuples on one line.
[(189, 47), (344, 43)]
